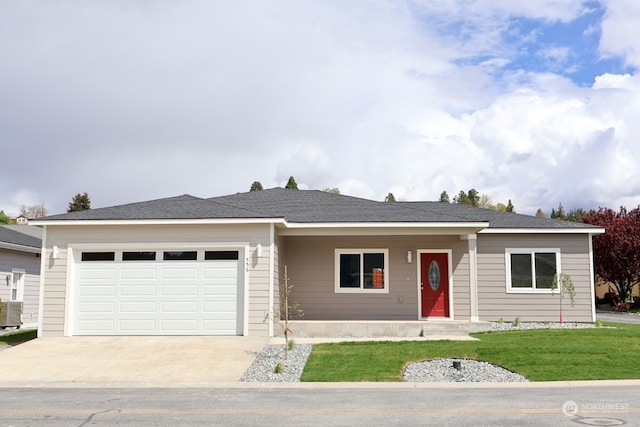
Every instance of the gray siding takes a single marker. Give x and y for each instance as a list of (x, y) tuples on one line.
[(56, 274), (493, 300), (30, 263), (310, 261)]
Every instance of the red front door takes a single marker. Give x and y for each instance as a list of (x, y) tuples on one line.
[(434, 282)]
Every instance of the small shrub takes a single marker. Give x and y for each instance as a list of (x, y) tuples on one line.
[(291, 344), (279, 368), (516, 321), (598, 323), (501, 320)]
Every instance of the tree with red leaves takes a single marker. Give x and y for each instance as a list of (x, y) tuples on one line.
[(617, 251)]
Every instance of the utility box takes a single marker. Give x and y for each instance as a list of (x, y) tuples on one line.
[(11, 314)]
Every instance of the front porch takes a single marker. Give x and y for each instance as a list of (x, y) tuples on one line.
[(431, 329)]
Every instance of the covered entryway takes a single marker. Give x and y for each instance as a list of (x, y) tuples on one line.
[(170, 291), (434, 284)]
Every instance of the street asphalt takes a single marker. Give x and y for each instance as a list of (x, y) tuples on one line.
[(618, 317), (348, 404)]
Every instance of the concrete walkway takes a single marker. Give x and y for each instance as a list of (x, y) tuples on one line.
[(129, 360)]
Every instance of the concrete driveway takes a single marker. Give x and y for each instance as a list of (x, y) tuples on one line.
[(139, 360)]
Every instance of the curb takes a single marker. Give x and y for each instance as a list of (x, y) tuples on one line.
[(328, 385)]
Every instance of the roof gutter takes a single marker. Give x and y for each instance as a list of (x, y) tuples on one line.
[(21, 248), (588, 230), (207, 221), (381, 228)]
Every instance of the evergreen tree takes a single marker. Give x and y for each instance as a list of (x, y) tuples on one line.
[(390, 198), (256, 186), (558, 214), (4, 219), (510, 207), (80, 202), (576, 215), (472, 198), (291, 184), (541, 214), (444, 197)]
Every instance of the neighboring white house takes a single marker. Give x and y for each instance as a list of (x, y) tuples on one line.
[(191, 266), (20, 248)]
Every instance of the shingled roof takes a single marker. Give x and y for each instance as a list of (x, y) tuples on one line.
[(309, 207), (20, 237)]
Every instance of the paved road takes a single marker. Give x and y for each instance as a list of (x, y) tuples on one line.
[(619, 317), (330, 404)]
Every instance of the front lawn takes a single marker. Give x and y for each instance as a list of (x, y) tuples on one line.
[(539, 355), (18, 337)]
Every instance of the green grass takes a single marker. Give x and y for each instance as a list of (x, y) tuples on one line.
[(18, 337), (539, 355)]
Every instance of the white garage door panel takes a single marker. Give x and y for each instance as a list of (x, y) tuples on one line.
[(130, 290), (138, 273), (97, 307), (223, 289), (179, 307), (98, 273), (222, 269), (137, 307), (171, 325), (220, 306), (93, 290), (157, 298), (179, 273), (97, 325), (180, 290), (138, 326)]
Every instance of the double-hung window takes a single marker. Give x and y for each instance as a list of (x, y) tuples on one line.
[(362, 270), (531, 270)]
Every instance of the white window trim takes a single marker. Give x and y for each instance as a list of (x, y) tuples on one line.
[(19, 284), (530, 251), (361, 290)]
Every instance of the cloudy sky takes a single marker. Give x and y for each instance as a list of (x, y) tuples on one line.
[(534, 101)]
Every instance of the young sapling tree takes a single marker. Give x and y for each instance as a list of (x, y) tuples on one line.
[(288, 310), (564, 285)]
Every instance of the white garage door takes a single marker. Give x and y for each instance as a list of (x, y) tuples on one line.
[(163, 292)]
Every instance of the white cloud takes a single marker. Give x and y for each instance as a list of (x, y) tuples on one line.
[(139, 100), (620, 31)]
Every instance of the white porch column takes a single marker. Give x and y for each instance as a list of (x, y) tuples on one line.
[(473, 275), (272, 269)]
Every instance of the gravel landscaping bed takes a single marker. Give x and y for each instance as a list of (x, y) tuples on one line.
[(262, 369), (508, 326), (436, 370), (472, 371)]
